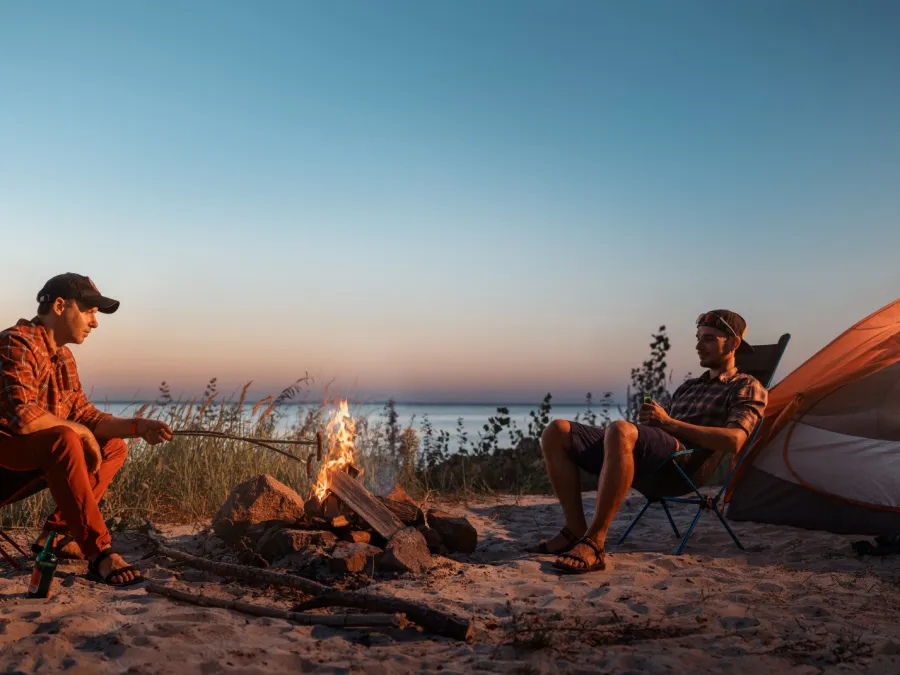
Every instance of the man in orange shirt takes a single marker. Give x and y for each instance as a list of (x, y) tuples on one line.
[(48, 425)]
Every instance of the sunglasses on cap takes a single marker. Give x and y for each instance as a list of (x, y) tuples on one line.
[(715, 320)]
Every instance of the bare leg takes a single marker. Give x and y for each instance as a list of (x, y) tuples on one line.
[(615, 480), (556, 443)]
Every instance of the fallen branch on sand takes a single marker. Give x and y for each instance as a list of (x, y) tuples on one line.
[(433, 620), (303, 618)]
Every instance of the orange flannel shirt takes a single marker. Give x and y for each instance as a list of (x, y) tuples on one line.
[(34, 382)]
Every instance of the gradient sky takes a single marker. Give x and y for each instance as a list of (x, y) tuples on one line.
[(446, 201)]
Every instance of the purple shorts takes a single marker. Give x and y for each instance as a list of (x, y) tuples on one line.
[(653, 446)]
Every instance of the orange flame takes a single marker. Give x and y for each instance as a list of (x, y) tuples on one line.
[(341, 430)]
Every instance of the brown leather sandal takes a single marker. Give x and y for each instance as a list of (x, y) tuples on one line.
[(598, 564), (541, 547)]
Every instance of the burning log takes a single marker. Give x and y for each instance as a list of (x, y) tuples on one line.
[(432, 620), (361, 501)]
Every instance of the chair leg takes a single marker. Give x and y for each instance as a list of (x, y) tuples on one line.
[(687, 536), (730, 531), (669, 516), (9, 559), (633, 523), (13, 543)]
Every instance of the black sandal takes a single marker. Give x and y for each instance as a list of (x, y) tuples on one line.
[(541, 547), (37, 548), (94, 571), (599, 563)]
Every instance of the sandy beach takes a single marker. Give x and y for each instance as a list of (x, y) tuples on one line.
[(794, 601)]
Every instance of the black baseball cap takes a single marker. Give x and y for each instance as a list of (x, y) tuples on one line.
[(71, 286), (728, 322)]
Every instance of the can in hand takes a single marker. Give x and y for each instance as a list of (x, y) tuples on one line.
[(44, 569)]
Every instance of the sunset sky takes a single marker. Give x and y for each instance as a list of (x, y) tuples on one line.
[(458, 201)]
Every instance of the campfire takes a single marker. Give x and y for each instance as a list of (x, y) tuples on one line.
[(341, 527), (341, 430)]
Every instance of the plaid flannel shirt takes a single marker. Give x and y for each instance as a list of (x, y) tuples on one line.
[(34, 382), (731, 399)]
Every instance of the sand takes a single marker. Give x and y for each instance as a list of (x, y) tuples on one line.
[(794, 601)]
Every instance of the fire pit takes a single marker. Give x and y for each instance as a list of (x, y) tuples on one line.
[(342, 527)]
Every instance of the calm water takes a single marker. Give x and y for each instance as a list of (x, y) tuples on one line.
[(443, 417)]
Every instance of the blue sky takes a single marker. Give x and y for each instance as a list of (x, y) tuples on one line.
[(446, 201)]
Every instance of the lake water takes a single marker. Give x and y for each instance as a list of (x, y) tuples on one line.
[(443, 417)]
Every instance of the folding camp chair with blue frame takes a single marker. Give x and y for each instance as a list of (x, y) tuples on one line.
[(670, 482)]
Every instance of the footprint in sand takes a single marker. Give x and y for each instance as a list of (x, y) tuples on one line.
[(770, 588), (597, 592), (637, 607), (737, 622), (683, 609)]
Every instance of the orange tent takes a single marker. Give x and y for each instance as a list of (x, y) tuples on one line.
[(831, 438)]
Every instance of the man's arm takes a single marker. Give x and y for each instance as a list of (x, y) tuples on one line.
[(18, 385), (728, 439), (152, 431), (105, 425), (743, 415)]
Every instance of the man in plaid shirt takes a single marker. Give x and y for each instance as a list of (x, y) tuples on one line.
[(49, 428), (717, 411)]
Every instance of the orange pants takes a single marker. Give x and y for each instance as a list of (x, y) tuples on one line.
[(59, 454)]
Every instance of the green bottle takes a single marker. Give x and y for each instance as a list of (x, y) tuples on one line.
[(44, 569)]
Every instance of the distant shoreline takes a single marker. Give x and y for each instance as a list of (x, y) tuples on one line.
[(430, 404)]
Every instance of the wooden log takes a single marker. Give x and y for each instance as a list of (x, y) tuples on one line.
[(398, 494), (433, 620), (313, 507), (303, 618), (361, 501), (405, 512), (331, 506)]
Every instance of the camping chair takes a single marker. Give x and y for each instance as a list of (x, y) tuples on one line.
[(14, 487), (670, 481)]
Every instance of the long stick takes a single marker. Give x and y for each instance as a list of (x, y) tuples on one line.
[(303, 618), (433, 620), (247, 439)]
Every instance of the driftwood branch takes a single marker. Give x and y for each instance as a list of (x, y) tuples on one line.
[(432, 620), (303, 618)]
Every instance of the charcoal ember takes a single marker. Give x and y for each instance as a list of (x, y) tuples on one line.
[(262, 501), (407, 551), (352, 557), (281, 542), (357, 536), (340, 522), (456, 532)]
